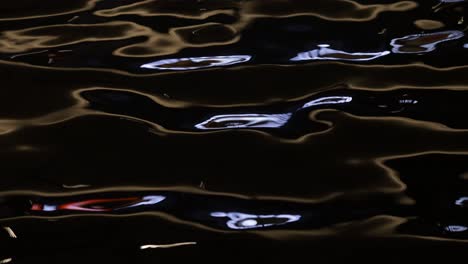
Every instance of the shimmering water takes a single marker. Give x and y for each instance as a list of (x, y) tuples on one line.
[(160, 131)]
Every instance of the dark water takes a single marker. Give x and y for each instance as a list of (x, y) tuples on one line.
[(216, 131)]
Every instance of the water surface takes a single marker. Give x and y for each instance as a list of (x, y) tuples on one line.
[(146, 131)]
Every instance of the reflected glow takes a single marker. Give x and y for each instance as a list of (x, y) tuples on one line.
[(465, 46), (325, 53), (329, 100), (245, 121), (6, 260), (101, 205), (249, 221), (421, 43), (461, 201), (168, 245), (94, 205), (196, 62), (49, 208), (456, 228), (10, 232), (408, 101), (148, 200)]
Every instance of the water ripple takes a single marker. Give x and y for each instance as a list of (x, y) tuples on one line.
[(152, 131)]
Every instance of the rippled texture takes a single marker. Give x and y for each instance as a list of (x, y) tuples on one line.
[(157, 131)]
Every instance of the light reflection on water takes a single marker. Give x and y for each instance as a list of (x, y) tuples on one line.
[(326, 53), (421, 43), (249, 221), (196, 62), (279, 128), (244, 121), (101, 205)]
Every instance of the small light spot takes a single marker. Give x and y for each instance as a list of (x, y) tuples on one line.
[(168, 245), (250, 222), (456, 228), (461, 201)]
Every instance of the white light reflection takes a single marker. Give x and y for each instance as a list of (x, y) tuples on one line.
[(6, 260), (89, 205), (149, 200), (10, 232), (422, 43), (465, 46), (456, 228), (461, 201), (49, 208), (168, 245), (249, 221), (194, 63), (408, 101), (325, 53), (329, 100), (245, 121)]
